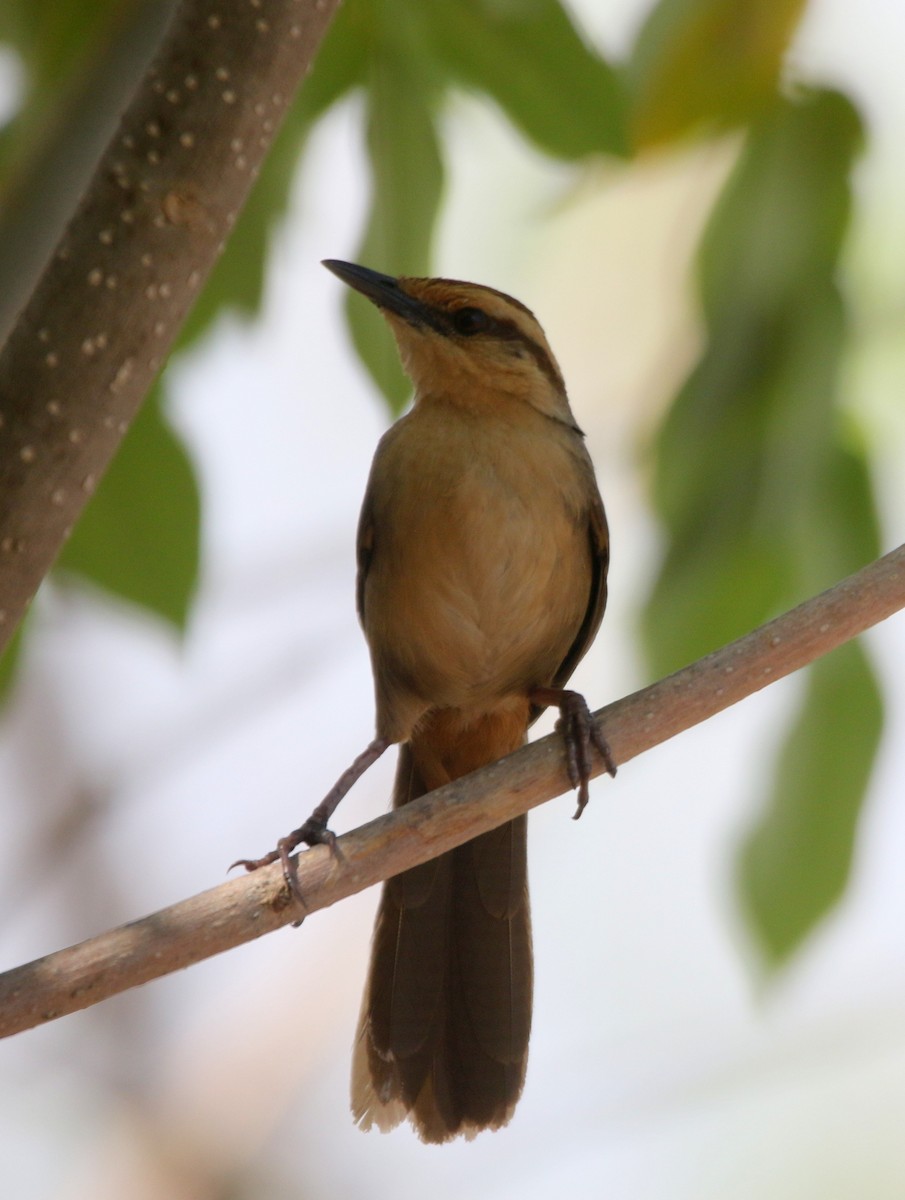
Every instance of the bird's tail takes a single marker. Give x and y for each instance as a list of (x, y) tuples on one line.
[(443, 1034)]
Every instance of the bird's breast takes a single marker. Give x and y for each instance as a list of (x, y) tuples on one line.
[(480, 571)]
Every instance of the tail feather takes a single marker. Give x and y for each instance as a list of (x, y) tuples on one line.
[(443, 1034)]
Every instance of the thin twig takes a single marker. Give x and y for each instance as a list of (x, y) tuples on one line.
[(245, 908)]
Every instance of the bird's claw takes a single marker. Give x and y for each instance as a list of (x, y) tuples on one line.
[(581, 734), (253, 864), (314, 832)]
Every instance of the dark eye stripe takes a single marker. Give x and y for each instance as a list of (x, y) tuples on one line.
[(508, 331)]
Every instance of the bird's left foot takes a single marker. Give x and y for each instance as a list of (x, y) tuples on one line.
[(314, 832), (580, 733)]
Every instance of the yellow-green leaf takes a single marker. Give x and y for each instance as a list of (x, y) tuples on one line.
[(706, 62)]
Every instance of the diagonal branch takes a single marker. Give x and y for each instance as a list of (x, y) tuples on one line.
[(244, 909), (153, 220)]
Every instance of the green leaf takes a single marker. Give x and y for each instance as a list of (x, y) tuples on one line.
[(796, 860), (139, 536), (341, 62), (784, 211), (10, 660), (527, 55), (710, 593), (59, 42), (407, 174), (764, 497), (707, 62), (754, 430), (532, 60)]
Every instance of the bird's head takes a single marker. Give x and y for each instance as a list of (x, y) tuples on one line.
[(464, 341)]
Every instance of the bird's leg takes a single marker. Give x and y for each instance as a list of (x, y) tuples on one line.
[(314, 831), (580, 733)]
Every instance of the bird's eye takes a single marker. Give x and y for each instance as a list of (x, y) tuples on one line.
[(469, 321)]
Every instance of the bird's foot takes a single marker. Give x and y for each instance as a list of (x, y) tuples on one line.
[(581, 735), (314, 831)]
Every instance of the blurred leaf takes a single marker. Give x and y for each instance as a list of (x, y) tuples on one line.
[(757, 416), (341, 62), (743, 539), (10, 659), (525, 54), (796, 861), (407, 174), (784, 210), (711, 62), (763, 499), (843, 494), (708, 594), (58, 42), (139, 536), (532, 60)]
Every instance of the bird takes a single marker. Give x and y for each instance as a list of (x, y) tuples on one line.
[(482, 555)]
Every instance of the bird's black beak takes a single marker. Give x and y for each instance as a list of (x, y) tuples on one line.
[(383, 290)]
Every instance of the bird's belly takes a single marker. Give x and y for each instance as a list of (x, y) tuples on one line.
[(482, 604)]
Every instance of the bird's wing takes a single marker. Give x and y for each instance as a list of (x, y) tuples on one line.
[(599, 549), (364, 550)]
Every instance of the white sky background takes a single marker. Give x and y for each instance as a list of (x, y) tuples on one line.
[(660, 1065)]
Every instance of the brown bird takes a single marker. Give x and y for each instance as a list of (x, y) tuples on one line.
[(482, 561)]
